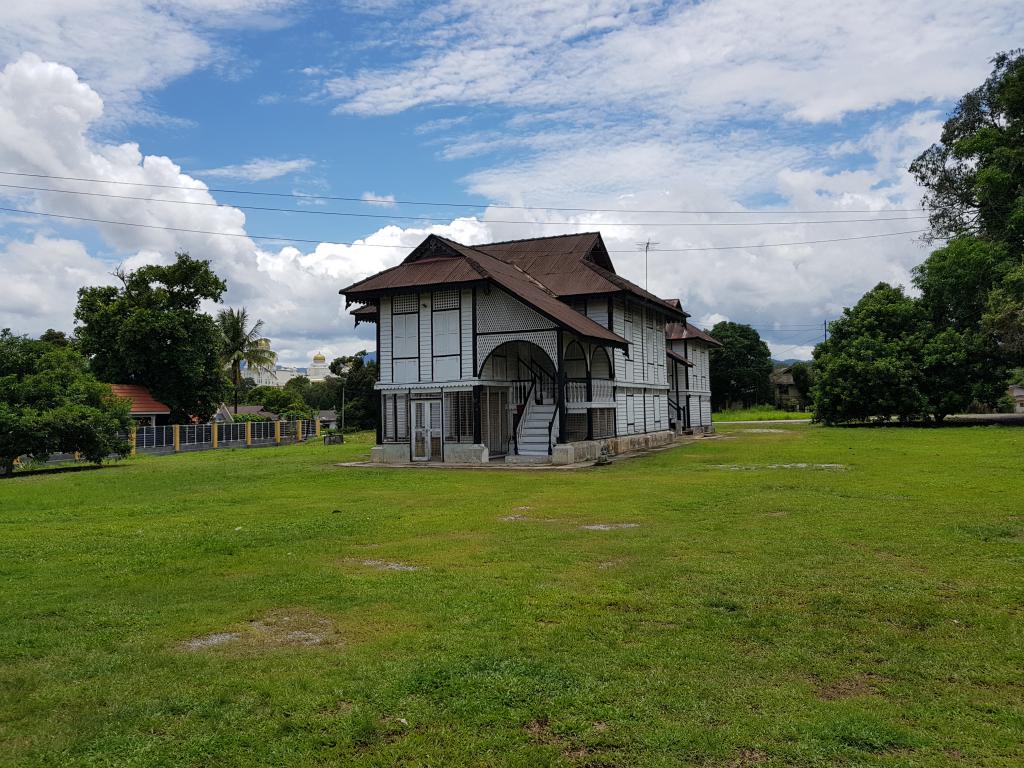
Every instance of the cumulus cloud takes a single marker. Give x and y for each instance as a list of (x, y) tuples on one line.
[(126, 48), (260, 169)]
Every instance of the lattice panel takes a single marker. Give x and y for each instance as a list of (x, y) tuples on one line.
[(410, 302), (445, 300), (500, 312), (546, 340)]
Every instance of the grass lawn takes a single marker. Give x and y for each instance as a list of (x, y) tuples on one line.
[(759, 413), (757, 615)]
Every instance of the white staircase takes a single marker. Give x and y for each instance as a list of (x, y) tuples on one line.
[(533, 430)]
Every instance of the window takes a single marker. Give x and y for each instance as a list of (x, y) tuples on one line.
[(442, 300), (604, 422), (458, 417), (407, 303), (395, 416), (576, 426), (405, 332), (446, 333)]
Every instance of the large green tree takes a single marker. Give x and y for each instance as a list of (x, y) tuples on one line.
[(740, 367), (872, 367), (51, 403), (240, 344), (150, 331), (356, 396), (974, 182)]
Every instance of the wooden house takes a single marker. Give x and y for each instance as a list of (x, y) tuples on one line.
[(146, 409), (688, 349), (528, 350)]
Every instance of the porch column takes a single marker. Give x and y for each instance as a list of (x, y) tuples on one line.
[(380, 414), (560, 394), (590, 399), (477, 438)]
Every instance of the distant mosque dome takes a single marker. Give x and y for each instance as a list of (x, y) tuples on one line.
[(319, 358)]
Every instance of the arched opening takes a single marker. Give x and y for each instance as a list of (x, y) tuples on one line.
[(601, 364), (575, 362), (517, 399)]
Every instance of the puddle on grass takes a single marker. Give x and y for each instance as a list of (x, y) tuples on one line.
[(609, 526)]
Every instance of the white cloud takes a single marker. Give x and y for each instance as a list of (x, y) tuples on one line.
[(260, 169), (385, 201), (126, 48)]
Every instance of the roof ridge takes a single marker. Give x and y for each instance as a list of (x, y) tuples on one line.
[(530, 239)]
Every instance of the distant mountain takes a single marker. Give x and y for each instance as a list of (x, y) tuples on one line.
[(788, 361)]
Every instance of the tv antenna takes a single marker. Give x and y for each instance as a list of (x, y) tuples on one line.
[(647, 247)]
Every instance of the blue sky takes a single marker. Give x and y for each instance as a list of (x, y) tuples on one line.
[(725, 105)]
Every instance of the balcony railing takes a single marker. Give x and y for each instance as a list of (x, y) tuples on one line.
[(602, 391)]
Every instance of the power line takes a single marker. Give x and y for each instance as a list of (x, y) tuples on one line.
[(814, 339), (282, 238), (388, 201), (436, 220)]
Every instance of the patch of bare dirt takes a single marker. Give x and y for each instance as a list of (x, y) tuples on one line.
[(795, 465), (748, 758), (540, 731), (513, 518), (278, 629), (851, 687), (763, 431), (609, 526), (386, 565)]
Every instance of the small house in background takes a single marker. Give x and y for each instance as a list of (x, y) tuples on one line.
[(225, 413), (787, 396), (689, 375), (328, 419), (146, 409), (1016, 394)]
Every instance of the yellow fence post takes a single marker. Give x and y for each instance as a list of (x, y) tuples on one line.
[(298, 430), (177, 437), (277, 432), (316, 428), (133, 436), (213, 432), (248, 434)]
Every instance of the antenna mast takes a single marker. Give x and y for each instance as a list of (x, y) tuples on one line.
[(647, 247)]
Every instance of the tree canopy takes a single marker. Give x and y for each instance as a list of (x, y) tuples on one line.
[(51, 403), (357, 378), (740, 367), (952, 347), (150, 331), (241, 343)]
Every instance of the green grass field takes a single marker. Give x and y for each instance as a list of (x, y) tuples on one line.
[(759, 413), (763, 612)]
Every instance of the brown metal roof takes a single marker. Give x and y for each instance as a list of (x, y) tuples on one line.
[(680, 331), (539, 271), (679, 358)]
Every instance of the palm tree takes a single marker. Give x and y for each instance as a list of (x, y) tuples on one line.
[(243, 344)]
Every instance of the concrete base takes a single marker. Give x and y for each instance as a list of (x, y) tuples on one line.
[(590, 450), (454, 453), (463, 453)]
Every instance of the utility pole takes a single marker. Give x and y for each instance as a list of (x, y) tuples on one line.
[(647, 247), (825, 325)]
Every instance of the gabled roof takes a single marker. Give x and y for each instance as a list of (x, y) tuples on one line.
[(440, 261), (680, 331), (540, 272), (143, 403)]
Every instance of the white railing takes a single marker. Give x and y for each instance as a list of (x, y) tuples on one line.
[(575, 392), (602, 391)]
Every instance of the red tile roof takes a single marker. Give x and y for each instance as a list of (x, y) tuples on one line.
[(143, 403)]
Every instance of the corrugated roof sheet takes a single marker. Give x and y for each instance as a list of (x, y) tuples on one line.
[(680, 331), (679, 358), (539, 271), (143, 403)]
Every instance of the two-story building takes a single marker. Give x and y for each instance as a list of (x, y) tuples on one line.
[(531, 350)]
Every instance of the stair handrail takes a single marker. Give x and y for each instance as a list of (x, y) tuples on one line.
[(517, 421), (541, 374), (551, 424)]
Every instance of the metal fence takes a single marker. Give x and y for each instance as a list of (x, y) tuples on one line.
[(176, 438)]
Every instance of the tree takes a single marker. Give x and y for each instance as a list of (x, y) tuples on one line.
[(357, 378), (740, 367), (56, 338), (241, 344), (51, 403), (150, 331), (277, 400), (872, 365)]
